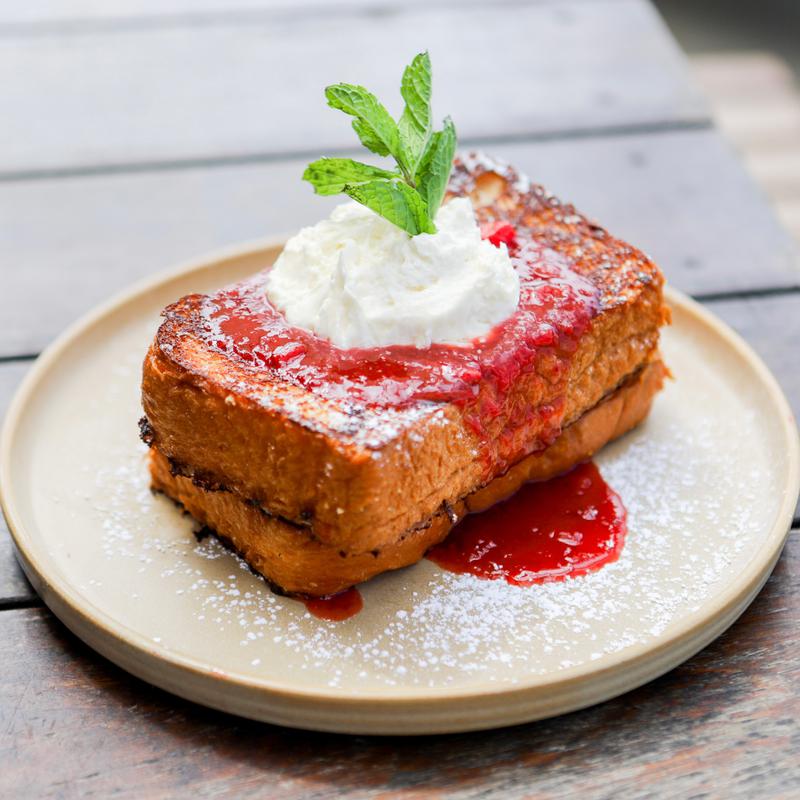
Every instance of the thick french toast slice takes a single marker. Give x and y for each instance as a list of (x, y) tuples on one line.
[(357, 475), (295, 562)]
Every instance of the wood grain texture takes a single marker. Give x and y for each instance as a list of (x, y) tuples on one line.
[(11, 374), (725, 724), (255, 86), (35, 16), (772, 326), (681, 196), (14, 588)]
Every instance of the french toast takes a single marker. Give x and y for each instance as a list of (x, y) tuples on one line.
[(324, 467)]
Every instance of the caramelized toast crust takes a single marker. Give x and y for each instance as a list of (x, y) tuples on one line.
[(355, 476), (295, 562)]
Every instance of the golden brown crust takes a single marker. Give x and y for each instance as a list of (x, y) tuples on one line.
[(354, 495), (358, 480), (291, 557)]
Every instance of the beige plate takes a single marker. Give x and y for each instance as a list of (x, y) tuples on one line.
[(710, 482)]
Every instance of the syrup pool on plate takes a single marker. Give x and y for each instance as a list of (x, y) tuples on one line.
[(336, 607), (547, 531)]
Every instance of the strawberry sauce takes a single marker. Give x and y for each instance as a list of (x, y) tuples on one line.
[(335, 607), (548, 531), (510, 383), (501, 233), (556, 305)]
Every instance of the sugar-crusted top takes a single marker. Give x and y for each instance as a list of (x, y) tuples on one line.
[(570, 270)]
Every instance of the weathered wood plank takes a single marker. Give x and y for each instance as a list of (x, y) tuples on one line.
[(34, 16), (42, 12), (772, 326), (161, 94), (682, 196), (11, 373), (725, 724), (789, 215), (13, 586)]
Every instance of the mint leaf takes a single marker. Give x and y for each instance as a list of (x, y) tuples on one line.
[(410, 195), (415, 122), (369, 138), (374, 125), (395, 201), (331, 175), (434, 169)]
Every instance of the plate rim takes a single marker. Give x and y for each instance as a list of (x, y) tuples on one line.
[(122, 645)]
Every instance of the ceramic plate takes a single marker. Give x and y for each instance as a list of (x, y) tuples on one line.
[(710, 483)]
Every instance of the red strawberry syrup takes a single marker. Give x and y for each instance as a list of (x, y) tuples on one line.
[(547, 531), (336, 607)]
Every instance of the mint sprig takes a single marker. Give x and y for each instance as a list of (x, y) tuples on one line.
[(334, 175), (415, 122), (410, 194), (373, 123), (436, 164)]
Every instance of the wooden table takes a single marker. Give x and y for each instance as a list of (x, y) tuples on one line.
[(146, 133)]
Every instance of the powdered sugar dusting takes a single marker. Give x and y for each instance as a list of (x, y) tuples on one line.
[(425, 627), (697, 481)]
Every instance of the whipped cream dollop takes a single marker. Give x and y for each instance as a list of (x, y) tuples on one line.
[(360, 281)]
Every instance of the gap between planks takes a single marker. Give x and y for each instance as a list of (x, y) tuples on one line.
[(16, 603), (15, 358), (746, 294), (169, 165)]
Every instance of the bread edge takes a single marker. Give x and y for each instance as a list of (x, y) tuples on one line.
[(294, 562)]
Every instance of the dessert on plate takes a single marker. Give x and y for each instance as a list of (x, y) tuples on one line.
[(451, 333)]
